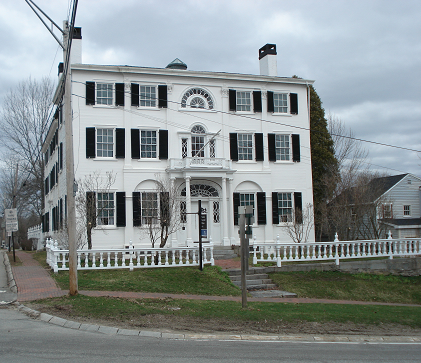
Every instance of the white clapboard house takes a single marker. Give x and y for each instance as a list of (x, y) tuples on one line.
[(225, 139)]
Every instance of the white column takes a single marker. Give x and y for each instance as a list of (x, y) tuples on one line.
[(173, 194), (230, 218), (189, 216), (224, 215)]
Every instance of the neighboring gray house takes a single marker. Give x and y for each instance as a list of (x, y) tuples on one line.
[(401, 211)]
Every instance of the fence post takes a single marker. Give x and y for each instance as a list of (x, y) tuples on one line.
[(336, 249), (278, 252), (131, 255)]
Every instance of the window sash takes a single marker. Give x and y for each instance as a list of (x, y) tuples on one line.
[(147, 96), (148, 144), (283, 147), (245, 146), (243, 101), (406, 210), (247, 199), (104, 94), (105, 143), (149, 207), (280, 103), (284, 207), (106, 209), (197, 143)]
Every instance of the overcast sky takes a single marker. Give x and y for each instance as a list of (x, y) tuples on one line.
[(365, 56)]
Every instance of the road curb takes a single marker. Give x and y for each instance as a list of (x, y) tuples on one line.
[(10, 279), (174, 335)]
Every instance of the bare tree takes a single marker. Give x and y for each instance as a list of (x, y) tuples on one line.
[(94, 206), (164, 219), (300, 224), (24, 124)]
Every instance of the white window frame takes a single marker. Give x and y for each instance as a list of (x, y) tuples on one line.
[(276, 107), (98, 89), (407, 210), (248, 198), (112, 129), (146, 144), (241, 101), (149, 100), (143, 200), (279, 147), (282, 217), (108, 209), (250, 156), (387, 211)]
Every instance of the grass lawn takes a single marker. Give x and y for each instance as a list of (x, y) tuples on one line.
[(343, 286), (127, 309)]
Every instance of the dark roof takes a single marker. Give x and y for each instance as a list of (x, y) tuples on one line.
[(383, 184)]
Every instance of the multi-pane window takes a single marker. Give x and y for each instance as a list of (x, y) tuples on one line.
[(243, 101), (284, 207), (105, 143), (280, 102), (387, 210), (245, 146), (247, 199), (147, 96), (212, 151), (184, 148), (183, 212), (282, 145), (148, 144), (105, 209), (216, 213), (198, 141), (104, 93), (406, 210), (149, 207)]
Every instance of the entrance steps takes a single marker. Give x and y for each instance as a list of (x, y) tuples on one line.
[(255, 280), (223, 253)]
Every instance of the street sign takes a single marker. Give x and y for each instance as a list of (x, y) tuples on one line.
[(11, 217)]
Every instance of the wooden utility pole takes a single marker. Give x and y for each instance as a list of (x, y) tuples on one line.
[(66, 90)]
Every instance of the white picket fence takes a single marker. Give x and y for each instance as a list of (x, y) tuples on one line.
[(129, 258), (338, 250)]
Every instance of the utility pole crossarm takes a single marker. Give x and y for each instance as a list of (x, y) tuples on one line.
[(30, 3)]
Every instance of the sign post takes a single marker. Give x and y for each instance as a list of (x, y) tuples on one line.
[(11, 216), (245, 212)]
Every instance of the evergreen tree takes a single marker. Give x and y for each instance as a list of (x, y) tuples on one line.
[(324, 163)]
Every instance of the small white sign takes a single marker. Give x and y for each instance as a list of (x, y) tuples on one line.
[(11, 217)]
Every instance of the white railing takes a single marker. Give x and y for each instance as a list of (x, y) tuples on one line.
[(35, 232), (338, 250), (190, 162), (130, 258)]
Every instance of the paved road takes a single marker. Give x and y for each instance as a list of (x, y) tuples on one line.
[(23, 340)]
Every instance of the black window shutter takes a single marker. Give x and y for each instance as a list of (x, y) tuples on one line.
[(236, 200), (135, 94), (163, 144), (90, 93), (47, 222), (257, 101), (233, 99), (162, 96), (137, 212), (90, 142), (233, 147), (121, 209), (271, 107), (261, 208), (61, 156), (293, 103), (120, 143), (272, 147), (258, 140), (135, 139), (275, 212), (298, 207), (91, 208), (119, 94), (296, 148), (164, 208), (61, 212)]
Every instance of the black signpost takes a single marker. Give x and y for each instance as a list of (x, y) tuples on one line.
[(203, 232)]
